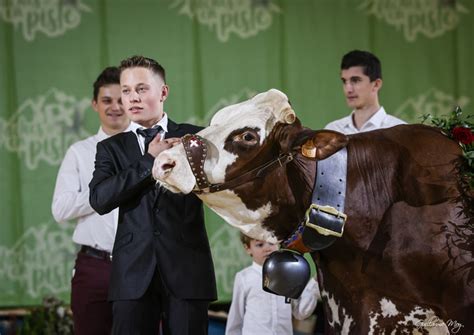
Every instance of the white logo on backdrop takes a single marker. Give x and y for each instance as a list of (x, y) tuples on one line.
[(229, 256), (50, 17), (244, 18), (431, 18), (224, 102), (44, 127), (39, 263), (434, 102)]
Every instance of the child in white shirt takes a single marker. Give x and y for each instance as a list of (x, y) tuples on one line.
[(254, 311)]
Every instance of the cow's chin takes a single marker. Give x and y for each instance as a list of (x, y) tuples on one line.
[(173, 188), (169, 181)]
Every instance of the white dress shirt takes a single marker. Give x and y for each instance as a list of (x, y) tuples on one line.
[(255, 312), (71, 196), (379, 120)]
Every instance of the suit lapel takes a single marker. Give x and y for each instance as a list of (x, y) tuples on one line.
[(132, 146)]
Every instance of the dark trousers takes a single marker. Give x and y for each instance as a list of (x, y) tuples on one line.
[(92, 313), (157, 307)]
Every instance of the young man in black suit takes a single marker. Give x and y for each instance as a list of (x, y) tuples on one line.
[(162, 267)]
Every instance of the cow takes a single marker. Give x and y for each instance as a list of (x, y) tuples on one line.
[(401, 261)]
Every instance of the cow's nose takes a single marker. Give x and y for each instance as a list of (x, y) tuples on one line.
[(168, 165), (162, 167)]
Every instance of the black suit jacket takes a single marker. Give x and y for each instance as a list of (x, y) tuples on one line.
[(156, 228)]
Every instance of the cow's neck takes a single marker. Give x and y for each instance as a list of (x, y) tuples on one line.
[(292, 196)]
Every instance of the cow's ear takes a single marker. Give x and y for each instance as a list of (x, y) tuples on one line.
[(323, 144)]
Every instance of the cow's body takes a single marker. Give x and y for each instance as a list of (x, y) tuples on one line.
[(405, 263)]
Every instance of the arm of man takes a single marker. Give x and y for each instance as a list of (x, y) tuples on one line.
[(110, 188), (70, 198)]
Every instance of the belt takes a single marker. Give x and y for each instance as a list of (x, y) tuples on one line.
[(96, 253)]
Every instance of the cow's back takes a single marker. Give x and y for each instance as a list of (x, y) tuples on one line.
[(407, 243)]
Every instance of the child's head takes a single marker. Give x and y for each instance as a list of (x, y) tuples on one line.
[(257, 249)]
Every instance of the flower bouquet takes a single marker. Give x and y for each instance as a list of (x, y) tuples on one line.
[(459, 128)]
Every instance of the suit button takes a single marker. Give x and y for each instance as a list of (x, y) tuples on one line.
[(156, 232)]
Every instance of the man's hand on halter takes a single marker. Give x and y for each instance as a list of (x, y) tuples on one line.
[(157, 145)]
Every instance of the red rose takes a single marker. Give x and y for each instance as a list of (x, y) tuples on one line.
[(463, 135)]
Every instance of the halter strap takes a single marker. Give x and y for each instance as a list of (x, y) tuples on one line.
[(196, 152)]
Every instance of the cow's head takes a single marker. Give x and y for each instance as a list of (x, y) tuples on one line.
[(241, 140)]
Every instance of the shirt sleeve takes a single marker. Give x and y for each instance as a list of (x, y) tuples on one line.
[(70, 200), (304, 306), (235, 320)]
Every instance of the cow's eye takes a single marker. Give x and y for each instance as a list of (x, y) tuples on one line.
[(247, 138)]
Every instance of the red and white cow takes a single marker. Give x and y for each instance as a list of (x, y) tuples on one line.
[(405, 262)]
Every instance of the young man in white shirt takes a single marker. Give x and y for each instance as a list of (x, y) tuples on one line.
[(94, 234), (361, 75)]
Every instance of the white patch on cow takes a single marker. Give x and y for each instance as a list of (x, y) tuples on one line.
[(422, 319), (334, 307), (229, 206), (217, 163), (426, 319), (262, 112), (372, 322), (180, 178), (388, 308)]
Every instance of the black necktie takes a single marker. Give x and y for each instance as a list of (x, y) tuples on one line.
[(149, 134)]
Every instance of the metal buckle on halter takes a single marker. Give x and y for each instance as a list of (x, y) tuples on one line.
[(327, 210)]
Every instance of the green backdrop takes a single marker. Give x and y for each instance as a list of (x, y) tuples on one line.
[(216, 52)]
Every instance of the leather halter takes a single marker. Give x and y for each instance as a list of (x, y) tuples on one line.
[(196, 152)]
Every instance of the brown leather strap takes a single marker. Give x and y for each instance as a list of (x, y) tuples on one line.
[(196, 152), (252, 174)]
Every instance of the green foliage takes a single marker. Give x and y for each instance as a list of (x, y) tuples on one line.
[(51, 318), (459, 128)]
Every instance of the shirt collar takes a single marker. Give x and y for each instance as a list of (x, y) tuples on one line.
[(163, 123), (375, 120), (257, 267), (102, 135)]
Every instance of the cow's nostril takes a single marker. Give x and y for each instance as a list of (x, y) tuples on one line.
[(168, 166)]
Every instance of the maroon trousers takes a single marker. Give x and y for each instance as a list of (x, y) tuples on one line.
[(92, 313)]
